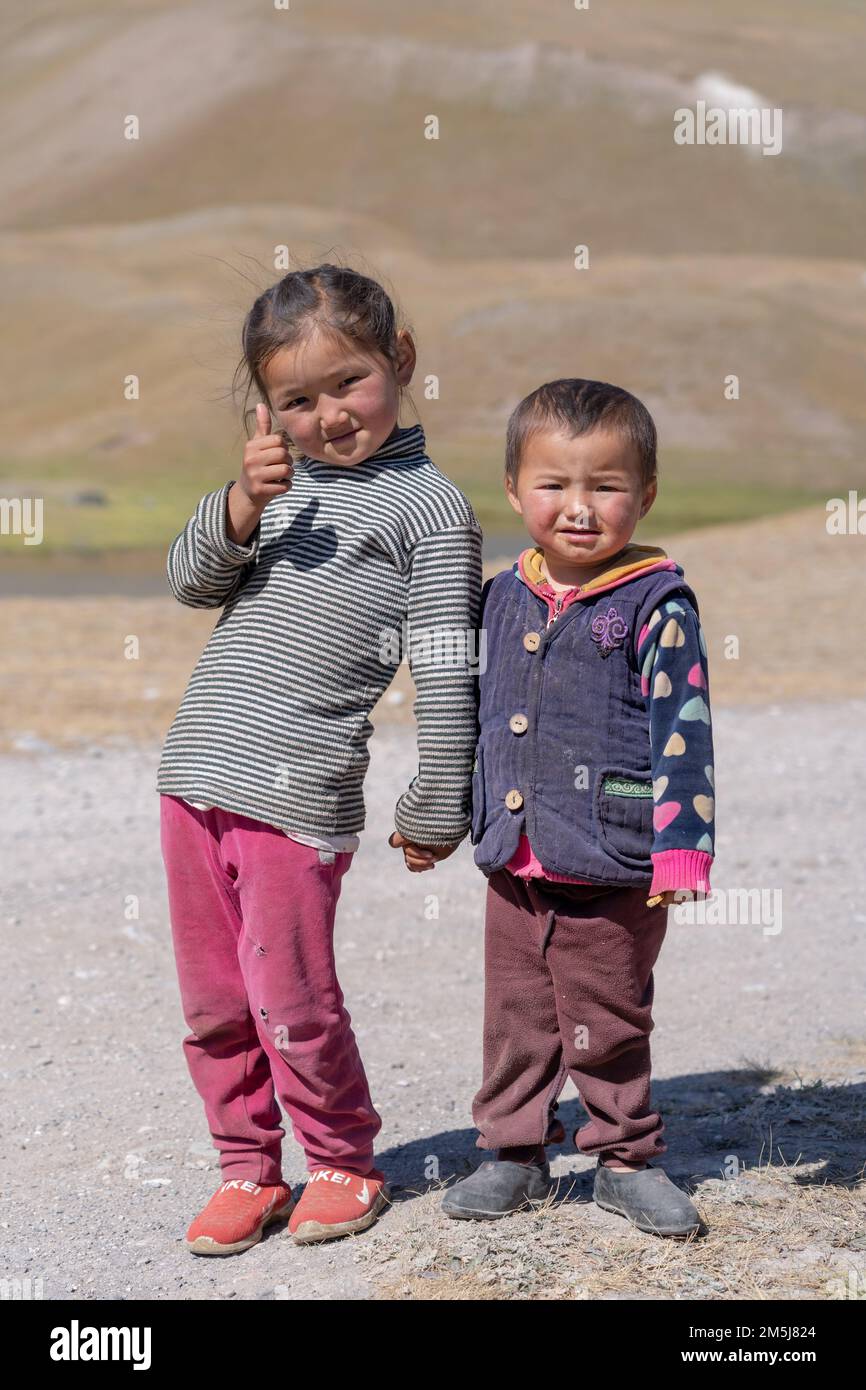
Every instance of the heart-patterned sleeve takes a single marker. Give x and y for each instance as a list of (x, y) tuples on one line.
[(672, 657)]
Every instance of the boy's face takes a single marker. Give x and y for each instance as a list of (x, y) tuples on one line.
[(337, 404), (580, 498)]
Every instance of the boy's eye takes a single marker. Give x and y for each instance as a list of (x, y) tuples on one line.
[(348, 379)]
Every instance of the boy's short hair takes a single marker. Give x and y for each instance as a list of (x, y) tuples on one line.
[(577, 407)]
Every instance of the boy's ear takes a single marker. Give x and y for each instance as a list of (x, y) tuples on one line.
[(512, 496), (649, 496)]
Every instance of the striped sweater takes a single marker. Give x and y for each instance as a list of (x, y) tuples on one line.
[(347, 572)]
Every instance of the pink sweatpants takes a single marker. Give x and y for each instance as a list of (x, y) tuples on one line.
[(252, 920)]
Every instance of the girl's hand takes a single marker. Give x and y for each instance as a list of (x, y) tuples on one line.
[(268, 466), (417, 858)]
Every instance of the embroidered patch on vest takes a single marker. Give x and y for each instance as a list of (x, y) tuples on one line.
[(624, 786), (609, 630)]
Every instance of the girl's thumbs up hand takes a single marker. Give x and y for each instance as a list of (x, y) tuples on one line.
[(268, 466)]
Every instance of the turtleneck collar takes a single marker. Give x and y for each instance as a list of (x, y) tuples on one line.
[(404, 446)]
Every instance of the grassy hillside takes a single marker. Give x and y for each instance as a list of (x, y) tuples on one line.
[(306, 127)]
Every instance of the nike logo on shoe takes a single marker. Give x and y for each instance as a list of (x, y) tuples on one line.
[(330, 1175), (345, 1179)]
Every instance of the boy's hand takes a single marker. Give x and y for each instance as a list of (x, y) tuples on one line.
[(417, 858), (673, 895)]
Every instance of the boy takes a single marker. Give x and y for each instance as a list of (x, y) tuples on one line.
[(592, 806)]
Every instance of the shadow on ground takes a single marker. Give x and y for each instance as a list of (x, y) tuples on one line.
[(717, 1124)]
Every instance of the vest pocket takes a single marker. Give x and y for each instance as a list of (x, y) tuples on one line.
[(478, 801), (624, 816)]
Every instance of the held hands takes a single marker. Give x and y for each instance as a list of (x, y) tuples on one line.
[(417, 858), (268, 466)]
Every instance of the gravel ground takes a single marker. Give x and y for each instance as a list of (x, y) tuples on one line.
[(759, 1049)]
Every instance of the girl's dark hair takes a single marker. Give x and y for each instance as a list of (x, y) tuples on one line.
[(330, 297), (577, 407)]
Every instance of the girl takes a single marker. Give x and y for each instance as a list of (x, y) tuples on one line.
[(317, 564)]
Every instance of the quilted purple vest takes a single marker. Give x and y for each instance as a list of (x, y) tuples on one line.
[(563, 750)]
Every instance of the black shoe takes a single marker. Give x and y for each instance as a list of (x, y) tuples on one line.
[(648, 1199), (496, 1189)]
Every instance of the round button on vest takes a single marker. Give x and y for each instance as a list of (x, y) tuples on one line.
[(532, 641), (514, 800), (518, 723)]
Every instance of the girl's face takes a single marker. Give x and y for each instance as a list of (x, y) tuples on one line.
[(580, 499), (337, 404)]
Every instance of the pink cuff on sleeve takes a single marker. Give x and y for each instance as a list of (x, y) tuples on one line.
[(681, 868)]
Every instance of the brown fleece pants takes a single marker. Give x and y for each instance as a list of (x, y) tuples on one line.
[(569, 992)]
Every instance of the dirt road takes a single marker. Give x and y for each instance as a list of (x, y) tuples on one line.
[(759, 1050)]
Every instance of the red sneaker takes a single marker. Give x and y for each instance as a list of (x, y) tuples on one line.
[(335, 1203), (236, 1215)]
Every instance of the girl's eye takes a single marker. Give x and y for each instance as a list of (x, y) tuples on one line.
[(299, 399)]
